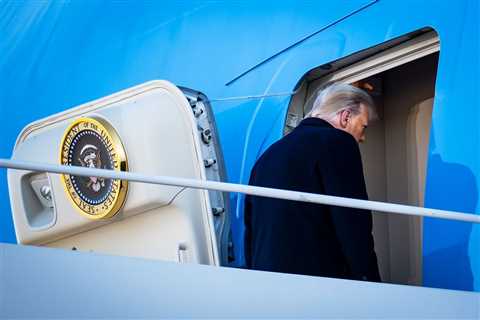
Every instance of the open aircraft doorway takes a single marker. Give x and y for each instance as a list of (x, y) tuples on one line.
[(400, 76)]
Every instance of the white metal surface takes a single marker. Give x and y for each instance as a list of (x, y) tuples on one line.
[(380, 207), (45, 283), (157, 128)]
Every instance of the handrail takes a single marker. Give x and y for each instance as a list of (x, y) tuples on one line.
[(378, 207)]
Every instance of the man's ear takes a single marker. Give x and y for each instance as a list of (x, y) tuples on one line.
[(344, 118)]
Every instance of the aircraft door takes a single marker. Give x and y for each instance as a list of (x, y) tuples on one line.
[(153, 129)]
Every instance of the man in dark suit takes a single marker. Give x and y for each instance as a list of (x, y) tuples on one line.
[(320, 156)]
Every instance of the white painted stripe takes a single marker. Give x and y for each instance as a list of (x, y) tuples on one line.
[(379, 207)]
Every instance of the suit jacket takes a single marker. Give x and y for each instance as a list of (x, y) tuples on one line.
[(304, 238)]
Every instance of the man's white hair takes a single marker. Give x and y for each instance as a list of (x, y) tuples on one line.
[(338, 97)]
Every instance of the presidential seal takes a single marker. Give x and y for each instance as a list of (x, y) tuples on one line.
[(93, 143)]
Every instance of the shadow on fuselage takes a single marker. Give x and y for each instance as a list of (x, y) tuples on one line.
[(446, 262)]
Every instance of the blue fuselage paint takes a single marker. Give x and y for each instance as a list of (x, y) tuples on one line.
[(56, 55)]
